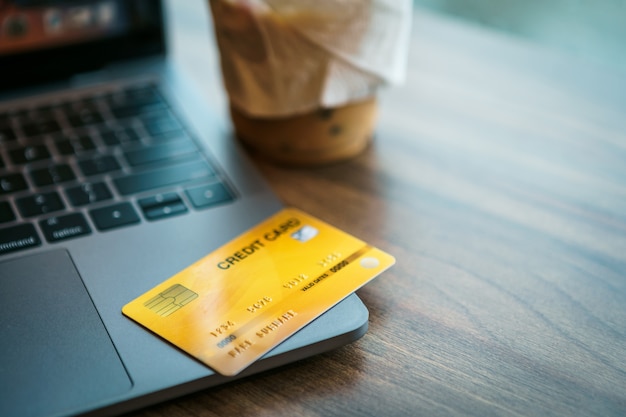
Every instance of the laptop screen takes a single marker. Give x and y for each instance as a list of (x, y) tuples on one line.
[(41, 40)]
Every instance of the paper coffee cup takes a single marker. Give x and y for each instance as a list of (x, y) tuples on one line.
[(302, 76)]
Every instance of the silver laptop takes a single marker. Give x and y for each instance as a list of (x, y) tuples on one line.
[(113, 177)]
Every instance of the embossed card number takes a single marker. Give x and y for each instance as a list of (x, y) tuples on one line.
[(234, 305)]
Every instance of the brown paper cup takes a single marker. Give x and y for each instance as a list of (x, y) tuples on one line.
[(293, 99)]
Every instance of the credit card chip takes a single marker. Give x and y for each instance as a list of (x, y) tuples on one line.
[(171, 300)]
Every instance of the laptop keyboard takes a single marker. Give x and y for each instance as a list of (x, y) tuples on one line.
[(95, 163)]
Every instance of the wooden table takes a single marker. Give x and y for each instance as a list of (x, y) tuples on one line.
[(498, 180)]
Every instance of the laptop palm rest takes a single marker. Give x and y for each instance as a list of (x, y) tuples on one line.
[(66, 360)]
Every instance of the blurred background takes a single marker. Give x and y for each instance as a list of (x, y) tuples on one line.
[(592, 29)]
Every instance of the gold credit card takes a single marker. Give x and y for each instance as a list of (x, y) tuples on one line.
[(231, 307)]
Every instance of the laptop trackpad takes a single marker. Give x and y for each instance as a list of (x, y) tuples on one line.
[(56, 354)]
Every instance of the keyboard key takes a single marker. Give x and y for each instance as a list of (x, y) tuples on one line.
[(20, 114), (7, 134), (29, 154), (114, 216), (53, 174), (6, 212), (77, 105), (175, 174), (17, 238), (209, 195), (159, 152), (142, 95), (45, 111), (136, 101), (162, 205), (98, 165), (160, 122), (74, 145), (121, 136), (64, 227), (39, 204), (170, 136), (11, 183), (40, 127), (85, 116), (88, 193), (133, 110), (35, 114)]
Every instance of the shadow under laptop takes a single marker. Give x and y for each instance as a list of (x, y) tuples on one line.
[(274, 391)]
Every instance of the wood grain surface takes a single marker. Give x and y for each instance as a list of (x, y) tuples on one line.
[(498, 180)]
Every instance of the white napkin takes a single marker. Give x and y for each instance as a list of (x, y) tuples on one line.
[(285, 57)]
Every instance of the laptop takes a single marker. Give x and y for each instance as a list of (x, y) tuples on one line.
[(114, 175)]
